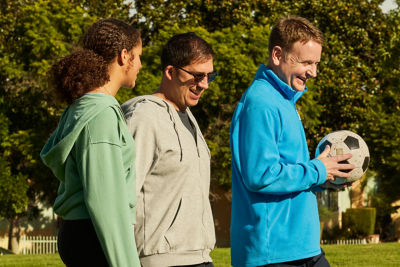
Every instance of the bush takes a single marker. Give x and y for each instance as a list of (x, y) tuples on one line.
[(325, 214), (359, 222)]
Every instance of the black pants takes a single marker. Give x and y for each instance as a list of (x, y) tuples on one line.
[(78, 244), (316, 261), (204, 264)]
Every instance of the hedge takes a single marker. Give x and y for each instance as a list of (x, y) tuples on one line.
[(359, 222)]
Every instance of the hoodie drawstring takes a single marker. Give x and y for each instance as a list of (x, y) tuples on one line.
[(176, 131)]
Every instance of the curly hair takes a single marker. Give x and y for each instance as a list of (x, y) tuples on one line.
[(87, 69), (77, 74), (184, 49), (108, 37), (291, 29)]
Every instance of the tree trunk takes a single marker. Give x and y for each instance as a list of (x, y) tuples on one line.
[(14, 235)]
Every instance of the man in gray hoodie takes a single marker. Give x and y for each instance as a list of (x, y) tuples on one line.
[(174, 220)]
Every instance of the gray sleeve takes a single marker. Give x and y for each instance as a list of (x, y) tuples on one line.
[(142, 123)]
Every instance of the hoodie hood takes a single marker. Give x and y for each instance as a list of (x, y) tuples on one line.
[(129, 107), (74, 118)]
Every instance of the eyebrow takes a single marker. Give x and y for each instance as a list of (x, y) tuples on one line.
[(307, 61)]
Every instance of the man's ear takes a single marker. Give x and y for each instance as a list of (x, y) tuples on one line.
[(168, 72), (277, 55)]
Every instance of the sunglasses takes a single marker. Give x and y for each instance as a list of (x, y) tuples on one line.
[(198, 77)]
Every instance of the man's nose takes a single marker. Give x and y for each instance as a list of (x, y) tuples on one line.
[(203, 83), (312, 71)]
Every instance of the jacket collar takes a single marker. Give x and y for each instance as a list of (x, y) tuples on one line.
[(266, 73)]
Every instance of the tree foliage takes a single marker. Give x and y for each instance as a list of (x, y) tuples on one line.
[(13, 189), (33, 34), (357, 85), (356, 89)]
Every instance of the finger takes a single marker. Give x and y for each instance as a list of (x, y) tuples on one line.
[(345, 166), (325, 153), (340, 174), (343, 157)]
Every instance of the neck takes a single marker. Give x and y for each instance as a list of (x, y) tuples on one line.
[(270, 65), (161, 93), (103, 90), (109, 89), (112, 86)]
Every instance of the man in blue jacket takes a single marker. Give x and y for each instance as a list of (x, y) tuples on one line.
[(274, 209)]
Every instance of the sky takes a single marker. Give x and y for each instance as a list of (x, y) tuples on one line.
[(388, 5)]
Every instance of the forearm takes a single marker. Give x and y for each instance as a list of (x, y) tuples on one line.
[(279, 178)]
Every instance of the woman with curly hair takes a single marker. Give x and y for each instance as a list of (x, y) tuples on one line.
[(92, 152)]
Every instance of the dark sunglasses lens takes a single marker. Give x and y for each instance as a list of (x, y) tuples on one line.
[(211, 76), (199, 77)]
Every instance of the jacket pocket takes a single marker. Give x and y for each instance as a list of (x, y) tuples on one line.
[(187, 231)]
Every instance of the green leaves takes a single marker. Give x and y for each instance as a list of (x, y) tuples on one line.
[(356, 87), (343, 96), (47, 31), (33, 35), (13, 189)]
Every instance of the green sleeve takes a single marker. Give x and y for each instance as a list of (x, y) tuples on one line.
[(105, 189)]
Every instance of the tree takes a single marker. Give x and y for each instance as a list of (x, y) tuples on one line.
[(384, 127), (212, 15), (338, 99), (34, 34), (13, 200), (13, 188), (356, 88)]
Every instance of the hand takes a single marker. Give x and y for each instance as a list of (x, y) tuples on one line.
[(329, 185), (333, 165)]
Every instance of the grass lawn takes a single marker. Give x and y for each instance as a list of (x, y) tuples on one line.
[(31, 260), (373, 255), (370, 255)]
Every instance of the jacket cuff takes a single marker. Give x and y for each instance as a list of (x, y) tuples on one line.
[(322, 174)]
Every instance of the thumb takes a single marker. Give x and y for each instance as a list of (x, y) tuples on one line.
[(325, 153)]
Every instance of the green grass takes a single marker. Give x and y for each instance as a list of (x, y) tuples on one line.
[(30, 260), (373, 255)]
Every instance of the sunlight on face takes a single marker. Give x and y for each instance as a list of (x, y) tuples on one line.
[(300, 64)]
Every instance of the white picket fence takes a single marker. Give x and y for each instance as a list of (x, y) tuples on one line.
[(48, 244), (38, 244), (344, 242)]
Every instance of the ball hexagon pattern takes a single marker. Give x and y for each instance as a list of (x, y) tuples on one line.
[(343, 142)]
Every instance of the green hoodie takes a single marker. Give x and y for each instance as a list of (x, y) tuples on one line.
[(92, 154)]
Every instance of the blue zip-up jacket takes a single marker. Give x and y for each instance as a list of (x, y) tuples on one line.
[(274, 209)]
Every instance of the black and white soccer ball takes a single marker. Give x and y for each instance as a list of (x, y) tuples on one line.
[(343, 142)]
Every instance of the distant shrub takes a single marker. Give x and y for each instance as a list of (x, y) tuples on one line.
[(359, 222)]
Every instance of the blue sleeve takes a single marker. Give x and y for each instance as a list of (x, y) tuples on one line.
[(257, 154)]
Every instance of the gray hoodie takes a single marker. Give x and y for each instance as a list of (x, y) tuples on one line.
[(174, 219)]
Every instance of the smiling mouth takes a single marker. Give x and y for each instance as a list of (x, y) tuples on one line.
[(196, 92), (303, 79)]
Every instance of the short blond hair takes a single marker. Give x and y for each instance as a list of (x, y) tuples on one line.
[(291, 29)]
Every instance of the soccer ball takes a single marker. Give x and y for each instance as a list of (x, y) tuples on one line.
[(343, 142)]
